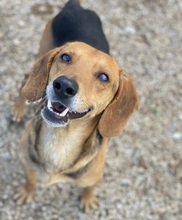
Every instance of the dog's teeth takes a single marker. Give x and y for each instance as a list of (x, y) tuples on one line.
[(64, 112), (49, 105)]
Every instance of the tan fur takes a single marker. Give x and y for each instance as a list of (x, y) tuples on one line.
[(73, 153), (46, 43), (122, 106)]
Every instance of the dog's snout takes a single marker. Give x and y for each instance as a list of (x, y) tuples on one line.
[(64, 87)]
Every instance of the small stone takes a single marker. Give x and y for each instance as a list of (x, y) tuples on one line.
[(130, 30), (177, 136), (125, 182)]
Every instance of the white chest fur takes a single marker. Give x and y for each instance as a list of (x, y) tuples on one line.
[(59, 148)]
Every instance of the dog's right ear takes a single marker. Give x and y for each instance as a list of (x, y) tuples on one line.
[(36, 84)]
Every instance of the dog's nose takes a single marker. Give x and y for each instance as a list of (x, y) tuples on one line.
[(64, 87)]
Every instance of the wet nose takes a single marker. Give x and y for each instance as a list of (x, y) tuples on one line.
[(64, 87)]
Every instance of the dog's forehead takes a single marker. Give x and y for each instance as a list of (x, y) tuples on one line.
[(80, 48), (88, 53)]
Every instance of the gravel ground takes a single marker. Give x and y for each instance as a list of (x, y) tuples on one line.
[(143, 174)]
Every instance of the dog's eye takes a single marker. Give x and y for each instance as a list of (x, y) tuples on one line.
[(103, 77), (66, 58)]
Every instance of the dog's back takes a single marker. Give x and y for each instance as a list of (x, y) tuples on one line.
[(75, 23)]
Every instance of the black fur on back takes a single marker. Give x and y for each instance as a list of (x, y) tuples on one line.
[(75, 23)]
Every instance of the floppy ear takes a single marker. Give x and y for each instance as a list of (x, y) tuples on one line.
[(117, 113), (36, 84)]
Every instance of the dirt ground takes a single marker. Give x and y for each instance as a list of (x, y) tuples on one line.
[(143, 173)]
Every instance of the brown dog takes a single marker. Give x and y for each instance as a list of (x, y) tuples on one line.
[(87, 99)]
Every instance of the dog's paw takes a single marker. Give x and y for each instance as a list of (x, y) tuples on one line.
[(18, 111), (23, 196), (88, 202)]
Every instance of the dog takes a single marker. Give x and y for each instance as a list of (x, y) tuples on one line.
[(86, 98)]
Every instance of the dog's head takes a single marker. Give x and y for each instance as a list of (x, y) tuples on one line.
[(82, 82)]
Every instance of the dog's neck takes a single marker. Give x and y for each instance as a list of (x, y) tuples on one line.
[(62, 146)]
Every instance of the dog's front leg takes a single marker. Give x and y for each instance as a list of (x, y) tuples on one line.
[(88, 199), (19, 106), (25, 193)]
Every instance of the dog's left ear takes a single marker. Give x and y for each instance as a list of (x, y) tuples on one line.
[(36, 84), (117, 113)]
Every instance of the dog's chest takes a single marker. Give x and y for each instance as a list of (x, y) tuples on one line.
[(59, 149)]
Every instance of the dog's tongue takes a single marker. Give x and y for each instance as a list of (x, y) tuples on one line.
[(59, 108)]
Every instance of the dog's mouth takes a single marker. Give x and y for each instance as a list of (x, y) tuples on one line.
[(56, 114)]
